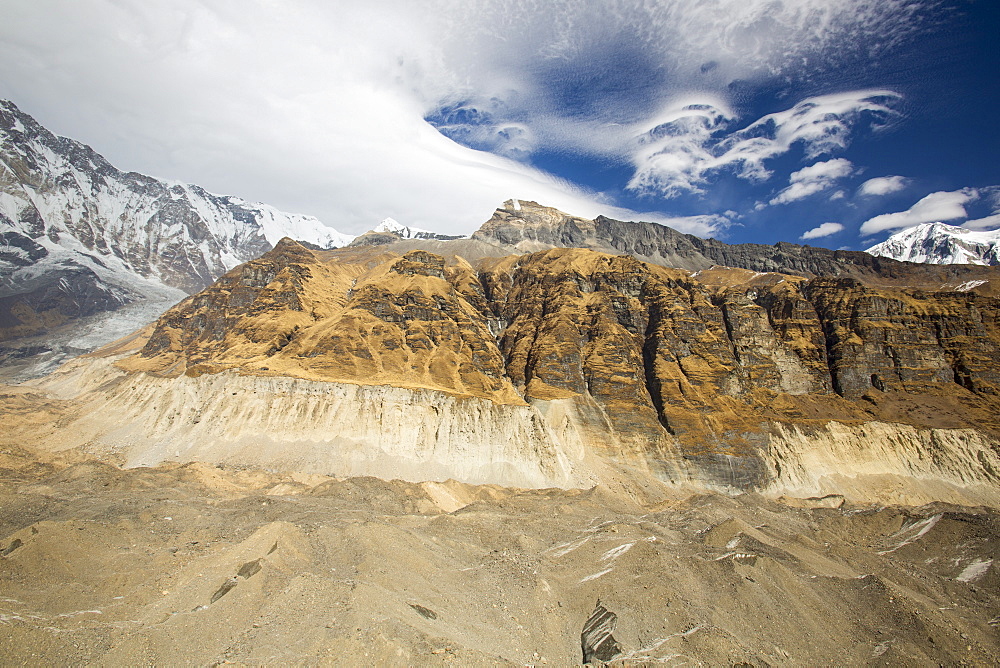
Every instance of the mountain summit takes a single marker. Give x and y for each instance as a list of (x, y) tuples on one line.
[(939, 243), (391, 226)]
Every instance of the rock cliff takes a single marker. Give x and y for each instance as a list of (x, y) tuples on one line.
[(724, 377)]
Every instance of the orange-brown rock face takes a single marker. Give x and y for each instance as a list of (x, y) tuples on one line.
[(659, 363), (365, 318)]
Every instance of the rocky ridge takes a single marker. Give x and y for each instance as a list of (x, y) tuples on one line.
[(722, 377), (523, 226)]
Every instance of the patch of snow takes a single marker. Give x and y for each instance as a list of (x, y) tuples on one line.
[(616, 552), (80, 612), (974, 570), (969, 285), (913, 532), (566, 548)]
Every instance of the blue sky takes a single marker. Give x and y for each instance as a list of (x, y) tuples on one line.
[(829, 122)]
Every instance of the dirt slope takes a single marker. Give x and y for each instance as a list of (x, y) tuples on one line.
[(196, 564)]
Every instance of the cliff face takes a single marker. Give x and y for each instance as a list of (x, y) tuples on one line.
[(691, 377)]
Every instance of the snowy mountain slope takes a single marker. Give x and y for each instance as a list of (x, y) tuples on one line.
[(180, 234), (938, 243), (79, 237)]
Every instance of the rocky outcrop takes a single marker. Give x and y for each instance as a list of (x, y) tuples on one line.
[(691, 378), (596, 640)]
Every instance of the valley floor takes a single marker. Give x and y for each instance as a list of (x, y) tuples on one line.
[(197, 564)]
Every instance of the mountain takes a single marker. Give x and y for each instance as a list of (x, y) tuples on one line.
[(390, 226), (523, 226), (556, 367), (80, 239), (389, 231), (938, 243)]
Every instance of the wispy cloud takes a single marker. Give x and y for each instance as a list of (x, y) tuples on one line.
[(882, 185), (990, 196), (679, 155), (936, 207), (814, 179), (824, 230), (322, 107)]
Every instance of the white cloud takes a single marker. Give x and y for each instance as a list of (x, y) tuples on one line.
[(678, 154), (824, 230), (883, 185), (319, 107), (986, 223), (813, 179), (936, 207)]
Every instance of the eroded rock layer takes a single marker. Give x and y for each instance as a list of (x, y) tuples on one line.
[(724, 377)]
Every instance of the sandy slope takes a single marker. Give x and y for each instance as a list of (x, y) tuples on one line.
[(197, 564)]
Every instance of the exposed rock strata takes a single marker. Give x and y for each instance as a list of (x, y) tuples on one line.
[(714, 378), (298, 425)]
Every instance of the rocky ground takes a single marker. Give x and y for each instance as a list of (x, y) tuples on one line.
[(196, 564)]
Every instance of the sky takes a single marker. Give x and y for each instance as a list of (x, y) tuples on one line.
[(829, 122)]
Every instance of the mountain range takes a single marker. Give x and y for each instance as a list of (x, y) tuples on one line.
[(89, 253), (690, 359), (478, 360)]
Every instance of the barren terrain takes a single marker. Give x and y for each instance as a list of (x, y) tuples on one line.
[(198, 564)]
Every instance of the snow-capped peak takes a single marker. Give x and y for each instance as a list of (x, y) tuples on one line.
[(178, 233), (940, 243), (392, 226)]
